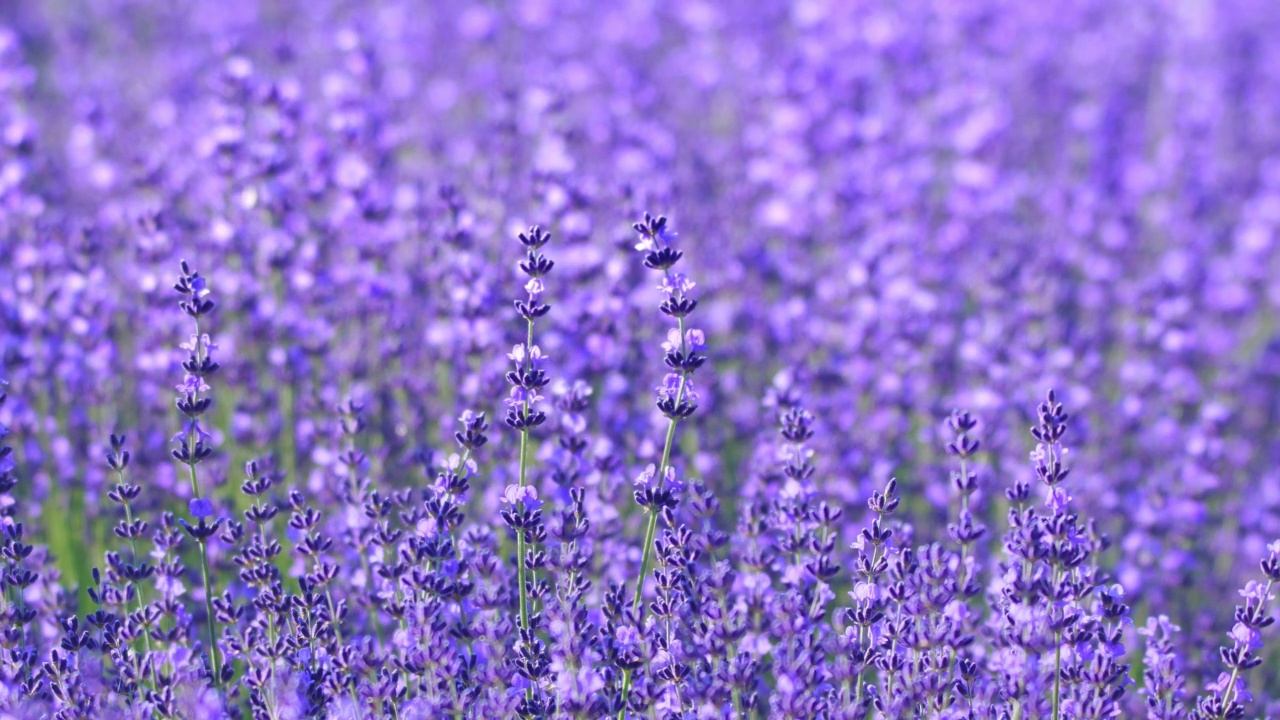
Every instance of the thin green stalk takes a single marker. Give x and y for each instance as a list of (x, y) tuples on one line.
[(1057, 675), (208, 606), (374, 620), (208, 580), (961, 580), (352, 475), (813, 606), (964, 547), (204, 547), (524, 470), (1057, 657), (652, 529)]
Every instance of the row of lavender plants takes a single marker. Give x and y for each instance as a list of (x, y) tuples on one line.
[(348, 375)]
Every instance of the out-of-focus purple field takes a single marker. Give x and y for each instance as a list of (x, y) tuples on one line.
[(639, 359)]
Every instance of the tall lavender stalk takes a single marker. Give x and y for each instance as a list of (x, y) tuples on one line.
[(523, 515), (193, 440), (676, 397)]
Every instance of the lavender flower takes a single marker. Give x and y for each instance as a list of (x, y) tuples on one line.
[(193, 442), (1228, 693), (523, 516), (1165, 686), (676, 397)]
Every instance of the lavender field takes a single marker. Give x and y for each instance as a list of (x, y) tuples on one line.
[(643, 359)]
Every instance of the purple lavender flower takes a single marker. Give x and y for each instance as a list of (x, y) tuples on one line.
[(524, 515), (676, 397), (193, 443), (1228, 693), (1165, 687), (522, 498), (201, 508)]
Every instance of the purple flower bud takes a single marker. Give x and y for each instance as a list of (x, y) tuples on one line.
[(672, 481), (672, 343), (670, 387), (192, 385), (1058, 499), (1245, 636), (1254, 590)]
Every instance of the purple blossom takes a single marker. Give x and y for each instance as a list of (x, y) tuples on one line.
[(526, 497), (676, 284), (1245, 636), (192, 385), (627, 638)]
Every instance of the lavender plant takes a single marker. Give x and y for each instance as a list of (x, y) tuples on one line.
[(906, 221), (523, 512), (193, 441)]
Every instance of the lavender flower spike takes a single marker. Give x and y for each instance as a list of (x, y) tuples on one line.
[(676, 397), (192, 440), (524, 515)]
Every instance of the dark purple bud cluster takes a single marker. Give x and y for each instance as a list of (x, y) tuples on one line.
[(535, 266)]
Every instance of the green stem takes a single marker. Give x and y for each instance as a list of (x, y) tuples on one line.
[(374, 620), (661, 477), (1057, 657), (208, 580), (208, 606), (652, 529), (524, 472), (204, 547)]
